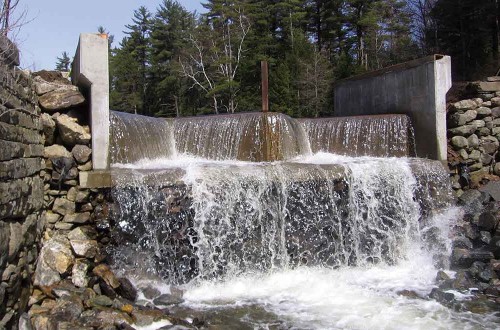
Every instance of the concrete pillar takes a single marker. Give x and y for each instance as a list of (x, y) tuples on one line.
[(417, 89), (90, 72)]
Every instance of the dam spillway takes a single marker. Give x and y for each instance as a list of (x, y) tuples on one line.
[(310, 239)]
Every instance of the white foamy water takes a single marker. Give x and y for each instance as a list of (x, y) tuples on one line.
[(319, 242)]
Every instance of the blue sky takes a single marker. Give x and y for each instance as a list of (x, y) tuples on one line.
[(53, 26)]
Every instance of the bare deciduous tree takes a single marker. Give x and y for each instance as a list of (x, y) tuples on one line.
[(213, 63)]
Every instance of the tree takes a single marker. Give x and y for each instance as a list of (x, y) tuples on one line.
[(63, 62), (217, 51), (10, 18), (170, 32)]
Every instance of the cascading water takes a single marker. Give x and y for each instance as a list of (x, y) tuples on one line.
[(378, 136), (319, 241)]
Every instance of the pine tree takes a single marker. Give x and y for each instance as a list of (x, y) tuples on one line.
[(63, 62)]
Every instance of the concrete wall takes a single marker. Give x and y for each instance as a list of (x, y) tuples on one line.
[(21, 184), (417, 89), (90, 71)]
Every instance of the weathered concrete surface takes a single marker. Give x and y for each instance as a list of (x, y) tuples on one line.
[(417, 89), (90, 71), (95, 179)]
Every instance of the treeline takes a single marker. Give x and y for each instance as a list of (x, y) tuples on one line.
[(175, 63)]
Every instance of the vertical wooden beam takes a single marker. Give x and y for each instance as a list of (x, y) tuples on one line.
[(265, 86)]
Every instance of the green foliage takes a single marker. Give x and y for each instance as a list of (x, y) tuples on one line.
[(176, 63), (63, 62)]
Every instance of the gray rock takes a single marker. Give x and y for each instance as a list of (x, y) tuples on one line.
[(495, 102), (459, 142), (16, 240), (485, 237), (81, 153), (465, 105), (42, 86), (71, 194), (49, 128), (483, 112), (462, 242), (487, 221), (79, 274), (486, 159), (495, 112), (71, 132), (56, 151), (463, 153), (85, 248), (492, 188), (4, 243), (475, 155), (473, 141), (63, 206), (61, 99), (463, 130), (78, 218), (483, 131), (478, 123), (126, 289), (55, 258), (85, 167), (168, 299), (51, 217)]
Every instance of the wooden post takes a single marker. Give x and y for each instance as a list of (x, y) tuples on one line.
[(265, 86)]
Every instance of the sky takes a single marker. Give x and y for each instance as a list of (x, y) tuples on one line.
[(53, 26)]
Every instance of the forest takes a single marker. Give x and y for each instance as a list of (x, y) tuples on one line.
[(173, 62)]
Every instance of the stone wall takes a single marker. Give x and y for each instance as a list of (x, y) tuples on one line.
[(473, 137), (21, 184)]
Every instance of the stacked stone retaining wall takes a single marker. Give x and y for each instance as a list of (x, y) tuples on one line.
[(21, 184)]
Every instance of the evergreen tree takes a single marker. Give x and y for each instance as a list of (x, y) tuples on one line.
[(63, 62), (170, 32)]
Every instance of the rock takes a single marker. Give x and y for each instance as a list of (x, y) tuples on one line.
[(4, 243), (483, 131), (462, 242), (495, 112), (465, 105), (146, 317), (475, 155), (79, 274), (104, 272), (79, 218), (81, 153), (168, 299), (441, 296), (486, 159), (483, 112), (471, 197), (63, 206), (485, 237), (473, 141), (85, 167), (71, 194), (60, 99), (463, 130), (56, 151), (459, 142), (126, 289), (460, 119), (495, 101), (463, 153), (492, 188), (82, 233), (478, 123), (85, 248), (82, 196), (487, 221), (43, 87), (71, 132), (462, 281), (150, 292), (55, 259), (49, 128), (67, 309), (100, 301), (465, 258)]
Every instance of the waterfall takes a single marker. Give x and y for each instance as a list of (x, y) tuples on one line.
[(136, 137), (245, 136), (378, 136), (256, 218)]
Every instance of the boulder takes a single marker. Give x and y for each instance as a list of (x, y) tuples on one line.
[(104, 273), (56, 151), (459, 142), (54, 260), (79, 218), (60, 99), (43, 87), (81, 153), (463, 130), (473, 141), (63, 206), (71, 132), (465, 105)]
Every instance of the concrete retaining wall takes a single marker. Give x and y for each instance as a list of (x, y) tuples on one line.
[(417, 89)]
